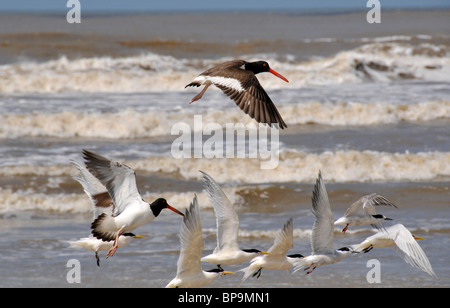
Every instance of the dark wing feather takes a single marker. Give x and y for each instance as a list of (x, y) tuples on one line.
[(254, 101)]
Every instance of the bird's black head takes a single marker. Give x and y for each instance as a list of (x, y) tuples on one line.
[(219, 271), (257, 67), (345, 249), (252, 250), (261, 67), (296, 255), (215, 270), (159, 204), (129, 234), (378, 216)]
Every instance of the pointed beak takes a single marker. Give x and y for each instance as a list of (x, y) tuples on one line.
[(227, 273), (418, 238), (265, 253), (278, 75), (174, 210), (139, 236)]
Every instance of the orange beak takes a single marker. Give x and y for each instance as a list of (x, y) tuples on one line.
[(278, 75), (175, 210)]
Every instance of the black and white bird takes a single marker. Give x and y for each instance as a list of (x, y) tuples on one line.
[(323, 251), (102, 203), (227, 250), (363, 212), (277, 259), (189, 269), (237, 79), (129, 211), (399, 237)]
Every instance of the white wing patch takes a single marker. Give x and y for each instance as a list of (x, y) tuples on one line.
[(226, 82)]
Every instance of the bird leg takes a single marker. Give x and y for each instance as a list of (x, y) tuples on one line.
[(199, 96), (113, 249), (97, 258), (345, 229), (366, 250), (257, 273), (309, 272)]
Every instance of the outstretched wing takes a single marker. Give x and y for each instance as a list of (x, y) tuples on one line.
[(372, 200), (227, 219), (284, 240), (244, 89), (95, 190), (252, 99), (119, 179), (410, 251), (323, 228), (191, 240)]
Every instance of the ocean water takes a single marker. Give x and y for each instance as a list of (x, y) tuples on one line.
[(368, 105)]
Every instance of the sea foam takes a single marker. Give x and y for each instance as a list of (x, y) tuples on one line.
[(374, 61), (131, 123), (294, 166)]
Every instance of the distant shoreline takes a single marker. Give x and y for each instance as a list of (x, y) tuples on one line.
[(295, 12)]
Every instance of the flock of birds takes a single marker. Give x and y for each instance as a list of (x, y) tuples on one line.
[(119, 208)]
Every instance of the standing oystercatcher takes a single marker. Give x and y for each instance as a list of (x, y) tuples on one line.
[(237, 80)]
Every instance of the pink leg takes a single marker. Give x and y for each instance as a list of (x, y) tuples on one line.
[(345, 229), (313, 268), (199, 96), (113, 249)]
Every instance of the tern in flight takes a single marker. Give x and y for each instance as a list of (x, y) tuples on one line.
[(189, 269), (405, 244), (362, 212), (323, 251), (277, 259), (227, 250)]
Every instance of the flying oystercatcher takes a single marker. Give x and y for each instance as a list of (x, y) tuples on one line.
[(129, 211), (237, 80)]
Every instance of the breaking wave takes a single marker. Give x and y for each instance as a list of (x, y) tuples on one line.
[(131, 123), (293, 166), (380, 60)]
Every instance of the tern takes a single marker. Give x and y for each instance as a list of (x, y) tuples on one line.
[(237, 79), (227, 250), (102, 203), (94, 244), (129, 210), (404, 243), (362, 212), (277, 259), (189, 270), (323, 251)]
